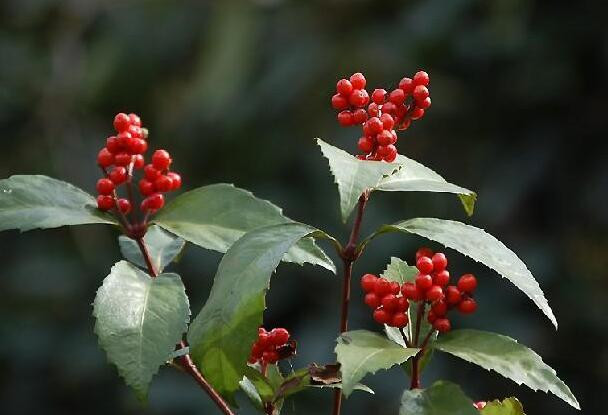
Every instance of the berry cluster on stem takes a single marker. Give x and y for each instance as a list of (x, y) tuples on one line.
[(386, 113)]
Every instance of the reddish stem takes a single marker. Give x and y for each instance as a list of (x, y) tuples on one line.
[(415, 384)]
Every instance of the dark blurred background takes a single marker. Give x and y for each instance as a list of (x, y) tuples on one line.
[(237, 90)]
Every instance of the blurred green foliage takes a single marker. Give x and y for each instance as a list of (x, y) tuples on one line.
[(237, 90)]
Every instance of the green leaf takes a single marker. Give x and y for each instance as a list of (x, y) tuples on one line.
[(509, 406), (252, 393), (479, 245), (398, 270), (139, 320), (216, 216), (31, 202), (415, 177), (221, 336), (505, 356), (162, 246), (353, 176), (442, 398), (358, 387), (361, 352)]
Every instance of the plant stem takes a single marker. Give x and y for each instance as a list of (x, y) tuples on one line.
[(186, 361), (415, 384), (349, 255)]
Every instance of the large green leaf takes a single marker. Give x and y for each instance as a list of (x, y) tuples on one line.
[(216, 216), (353, 176), (221, 335), (415, 177), (139, 320), (30, 202), (442, 398), (361, 352), (509, 406), (479, 245), (505, 356), (162, 246)]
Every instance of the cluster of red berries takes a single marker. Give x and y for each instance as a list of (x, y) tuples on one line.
[(271, 346), (385, 113), (431, 286), (124, 153)]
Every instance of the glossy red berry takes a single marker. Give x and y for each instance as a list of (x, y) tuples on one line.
[(105, 158), (389, 303), (374, 125), (344, 87), (384, 138), (390, 153), (345, 118), (402, 304), (421, 78), (411, 291), (138, 162), (395, 287), (440, 308), (424, 251), (118, 175), (359, 98), (123, 139), (124, 205), (379, 96), (382, 316), (151, 173), (134, 120), (467, 283), (434, 293), (176, 179), (163, 184), (467, 306), (453, 295), (146, 187), (420, 93), (122, 159), (424, 282), (440, 262), (416, 114), (366, 144), (441, 278), (399, 320), (431, 317), (373, 110), (279, 336), (388, 122), (397, 96), (368, 282), (113, 145), (105, 202), (359, 116), (424, 265), (424, 104), (383, 287), (358, 80), (372, 300), (339, 102), (153, 202), (138, 146), (121, 122), (270, 356), (442, 325), (161, 159), (407, 85), (105, 186)]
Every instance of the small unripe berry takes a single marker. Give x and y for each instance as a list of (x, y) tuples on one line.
[(399, 320), (424, 265), (359, 116), (424, 251), (379, 96), (176, 179), (163, 184), (467, 283), (397, 96), (442, 325), (372, 300), (121, 122), (407, 85), (105, 186), (105, 158), (366, 144), (358, 80), (421, 78), (105, 202), (345, 118), (389, 303), (146, 187), (441, 278), (359, 98), (339, 102), (161, 159), (124, 205), (368, 282), (118, 175), (453, 295), (344, 87), (434, 293), (381, 316), (467, 306), (279, 336), (424, 282)]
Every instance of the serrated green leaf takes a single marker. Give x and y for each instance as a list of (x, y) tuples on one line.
[(509, 406), (216, 216), (221, 336), (139, 320), (398, 270), (31, 202), (505, 356), (415, 177), (361, 352), (478, 245), (442, 398), (163, 248), (353, 176)]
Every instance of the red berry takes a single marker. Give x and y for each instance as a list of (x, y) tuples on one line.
[(121, 122), (153, 202), (387, 121), (467, 283), (416, 114), (146, 187), (134, 119), (397, 97), (163, 184), (467, 306), (374, 125), (431, 317), (359, 98), (390, 153), (366, 144), (405, 124), (124, 205), (389, 108), (122, 159), (424, 104), (368, 282), (424, 251), (381, 316), (138, 146), (399, 320), (105, 158), (339, 102), (123, 139), (105, 186), (411, 292), (161, 159), (379, 96), (105, 202), (389, 303), (151, 172), (383, 287), (384, 138), (442, 325), (372, 300), (345, 118), (441, 278), (372, 110), (279, 336), (270, 357), (138, 161), (118, 175), (395, 288), (421, 92), (440, 308), (424, 265), (358, 80), (424, 282), (434, 293), (359, 116), (113, 145), (452, 295), (344, 87), (135, 131), (421, 78), (176, 179), (407, 85), (440, 262), (402, 304)]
